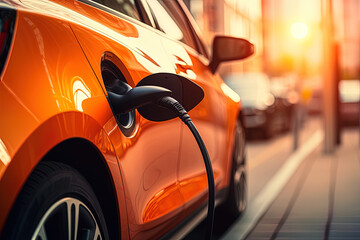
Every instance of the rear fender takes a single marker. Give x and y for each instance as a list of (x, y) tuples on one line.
[(51, 133)]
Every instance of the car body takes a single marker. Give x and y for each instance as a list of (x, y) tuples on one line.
[(261, 110), (285, 101), (64, 152), (316, 104), (349, 93)]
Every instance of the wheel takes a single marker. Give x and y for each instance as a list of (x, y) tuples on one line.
[(56, 203), (236, 201)]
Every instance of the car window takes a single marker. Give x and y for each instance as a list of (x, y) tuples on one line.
[(171, 21), (126, 7), (203, 49)]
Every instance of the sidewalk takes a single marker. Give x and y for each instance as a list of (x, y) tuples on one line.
[(320, 201)]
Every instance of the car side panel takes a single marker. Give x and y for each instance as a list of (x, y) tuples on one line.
[(43, 77), (212, 118), (135, 43), (48, 93), (139, 57), (148, 158)]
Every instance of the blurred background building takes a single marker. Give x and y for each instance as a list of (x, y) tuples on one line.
[(312, 65), (347, 19), (239, 18), (267, 24)]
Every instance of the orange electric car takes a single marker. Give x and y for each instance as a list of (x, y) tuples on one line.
[(77, 164)]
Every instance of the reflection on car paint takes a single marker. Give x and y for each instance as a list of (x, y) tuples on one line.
[(80, 92)]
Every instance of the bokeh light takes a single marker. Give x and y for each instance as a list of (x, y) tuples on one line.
[(299, 30)]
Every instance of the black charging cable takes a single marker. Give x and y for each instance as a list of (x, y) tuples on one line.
[(176, 107), (144, 95)]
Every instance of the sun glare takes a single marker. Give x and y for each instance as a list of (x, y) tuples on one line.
[(299, 30)]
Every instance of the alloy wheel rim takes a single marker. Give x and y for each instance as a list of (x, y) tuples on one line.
[(68, 215)]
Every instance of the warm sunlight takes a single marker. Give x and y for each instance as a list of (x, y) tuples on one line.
[(299, 30)]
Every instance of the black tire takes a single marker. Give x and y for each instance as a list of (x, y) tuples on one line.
[(52, 191), (236, 201)]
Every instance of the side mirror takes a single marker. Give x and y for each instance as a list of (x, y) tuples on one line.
[(227, 48)]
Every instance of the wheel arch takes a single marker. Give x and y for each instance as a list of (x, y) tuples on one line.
[(95, 171), (64, 138), (226, 210), (238, 117), (241, 119)]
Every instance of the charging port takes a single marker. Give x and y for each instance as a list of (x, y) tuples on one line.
[(115, 82)]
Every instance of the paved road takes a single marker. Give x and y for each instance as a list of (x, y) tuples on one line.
[(321, 200), (312, 196), (264, 159), (266, 181)]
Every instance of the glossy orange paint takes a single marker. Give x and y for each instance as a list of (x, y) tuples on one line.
[(52, 90), (54, 96), (153, 148)]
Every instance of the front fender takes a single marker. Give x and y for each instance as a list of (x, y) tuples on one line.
[(52, 132)]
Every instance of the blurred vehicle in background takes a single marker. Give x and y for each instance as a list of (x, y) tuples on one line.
[(259, 104), (285, 100), (315, 105), (349, 92)]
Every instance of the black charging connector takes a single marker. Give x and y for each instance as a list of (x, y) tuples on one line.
[(173, 105)]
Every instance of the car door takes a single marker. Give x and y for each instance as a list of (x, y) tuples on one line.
[(148, 155), (189, 57)]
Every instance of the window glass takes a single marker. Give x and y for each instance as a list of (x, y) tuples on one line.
[(202, 49), (126, 7), (171, 20)]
